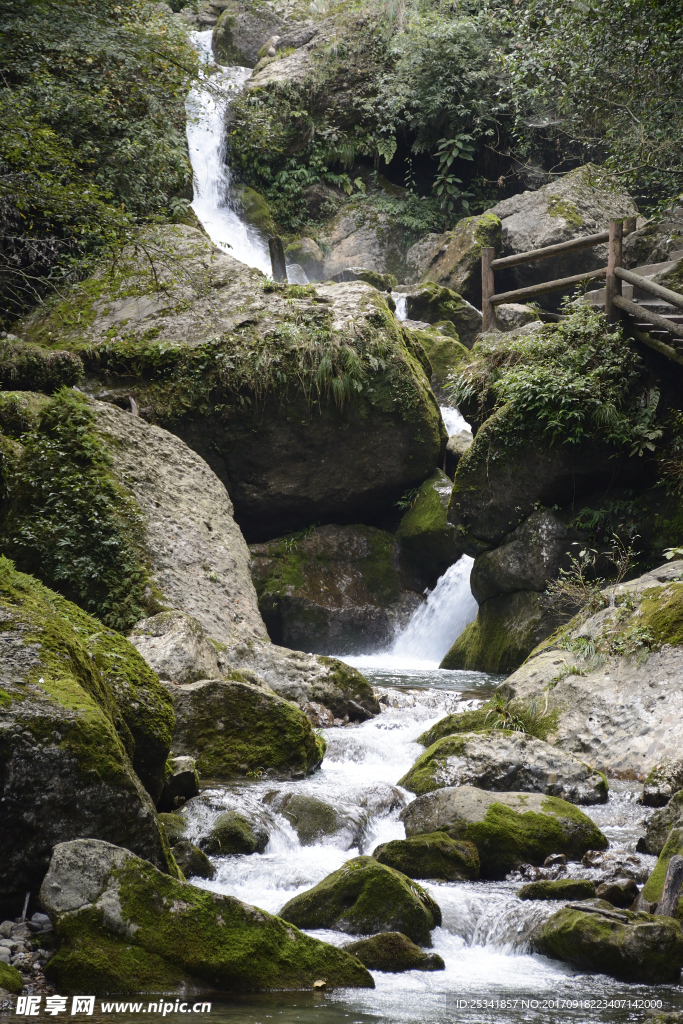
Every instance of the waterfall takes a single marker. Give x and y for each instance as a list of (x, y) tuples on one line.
[(435, 625), (401, 300), (453, 421)]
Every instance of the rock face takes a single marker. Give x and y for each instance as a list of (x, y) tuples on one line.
[(264, 395), (393, 953), (69, 687), (662, 782), (125, 927), (661, 823), (652, 890), (363, 237), (435, 855), (558, 889), (428, 542), (508, 829), (455, 258), (232, 727), (502, 761), (625, 713), (432, 304), (241, 31), (593, 937), (338, 588), (364, 897), (457, 445)]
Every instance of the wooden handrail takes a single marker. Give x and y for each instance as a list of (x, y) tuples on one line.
[(550, 250), (546, 287), (648, 316), (659, 346), (675, 298)]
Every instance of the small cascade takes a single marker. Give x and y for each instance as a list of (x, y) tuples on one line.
[(453, 421), (401, 300), (435, 625)]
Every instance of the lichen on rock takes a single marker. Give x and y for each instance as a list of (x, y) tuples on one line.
[(434, 855)]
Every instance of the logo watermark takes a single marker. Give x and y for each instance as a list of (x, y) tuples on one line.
[(30, 1006)]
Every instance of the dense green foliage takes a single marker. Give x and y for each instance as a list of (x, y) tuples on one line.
[(66, 519), (93, 139)]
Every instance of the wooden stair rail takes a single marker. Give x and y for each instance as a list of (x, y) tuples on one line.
[(674, 298), (656, 319)]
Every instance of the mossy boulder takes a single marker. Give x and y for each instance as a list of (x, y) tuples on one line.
[(558, 889), (311, 819), (262, 380), (232, 728), (508, 829), (652, 890), (10, 979), (501, 760), (192, 861), (595, 938), (231, 832), (364, 897), (429, 544), (431, 303), (662, 782), (174, 827), (123, 926), (255, 209), (491, 715), (455, 261), (28, 367), (620, 892), (505, 632), (660, 824), (393, 953), (65, 746), (180, 784), (435, 855), (241, 31), (308, 254), (443, 349), (333, 588)]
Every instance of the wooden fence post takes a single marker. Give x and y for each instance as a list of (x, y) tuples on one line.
[(488, 288), (629, 225), (612, 282)]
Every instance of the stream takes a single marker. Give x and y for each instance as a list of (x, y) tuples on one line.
[(490, 973)]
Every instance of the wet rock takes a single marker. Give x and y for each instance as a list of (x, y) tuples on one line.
[(393, 953), (232, 728), (560, 889), (314, 820), (596, 701), (173, 826), (454, 260), (336, 588), (233, 833), (364, 897), (433, 304), (124, 926), (431, 856), (308, 255), (181, 784), (652, 890), (595, 938), (10, 979), (71, 738), (192, 861), (457, 445), (444, 351), (501, 760), (620, 893), (662, 782), (428, 543), (508, 829), (660, 824), (613, 864)]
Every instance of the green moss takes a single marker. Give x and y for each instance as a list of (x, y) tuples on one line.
[(96, 962), (192, 862), (661, 613), (393, 952), (433, 855), (255, 209), (233, 833), (652, 890), (558, 207), (558, 889), (20, 411), (25, 366), (364, 897), (421, 777), (174, 827), (444, 352), (503, 635), (433, 303), (10, 979), (350, 683), (534, 722)]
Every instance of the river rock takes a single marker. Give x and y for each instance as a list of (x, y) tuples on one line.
[(506, 630), (181, 784), (620, 892), (265, 424), (364, 897), (242, 30), (558, 889), (444, 350), (660, 824), (233, 833), (652, 890), (336, 588), (457, 445), (454, 260), (192, 861), (314, 820), (662, 782), (501, 760), (123, 926), (595, 938), (508, 829), (393, 953), (10, 980), (63, 732), (435, 855), (624, 711), (173, 826), (232, 728), (433, 303), (428, 543)]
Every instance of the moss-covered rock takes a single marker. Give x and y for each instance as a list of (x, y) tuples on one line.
[(599, 940), (28, 367), (665, 779), (429, 543), (332, 588), (255, 209), (10, 979), (232, 728), (506, 630), (192, 861), (432, 304), (125, 927), (652, 890), (558, 889), (502, 760), (494, 714), (180, 784), (620, 892), (444, 351), (393, 953), (241, 32), (660, 824), (64, 733), (262, 380), (508, 829), (455, 261), (435, 855), (174, 826), (233, 833), (311, 819), (364, 897)]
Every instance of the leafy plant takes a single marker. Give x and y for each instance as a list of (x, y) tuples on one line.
[(504, 715), (580, 586)]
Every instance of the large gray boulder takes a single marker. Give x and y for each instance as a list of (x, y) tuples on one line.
[(123, 926), (500, 760), (623, 710), (453, 260), (660, 824), (508, 829), (242, 30)]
